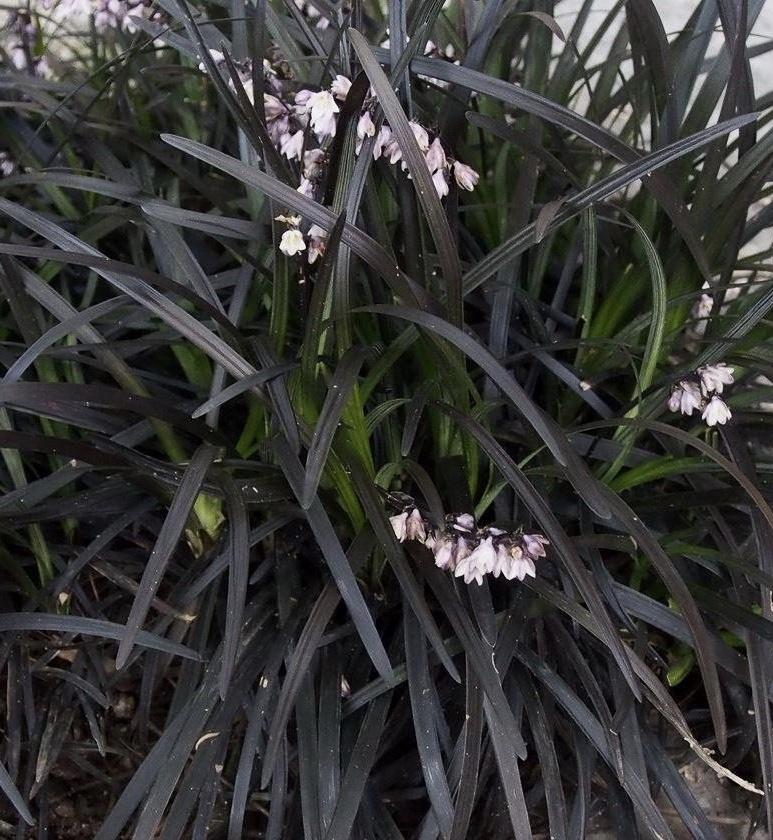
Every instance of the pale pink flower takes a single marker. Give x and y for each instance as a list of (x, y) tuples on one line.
[(7, 164), (420, 133), (216, 56), (685, 397), (443, 550), (317, 243), (414, 526), (340, 87), (464, 522), (534, 544), (716, 411), (703, 306), (301, 115), (392, 150), (383, 137), (365, 128), (466, 177), (322, 22), (400, 525), (674, 400), (478, 562), (278, 128), (306, 188), (715, 377), (293, 221), (323, 109), (514, 563), (440, 182), (274, 107), (436, 156), (302, 97), (461, 551), (292, 145)]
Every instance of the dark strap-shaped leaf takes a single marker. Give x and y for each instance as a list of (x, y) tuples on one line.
[(417, 166), (339, 567), (168, 537), (339, 389), (14, 797), (543, 425), (45, 622), (362, 759)]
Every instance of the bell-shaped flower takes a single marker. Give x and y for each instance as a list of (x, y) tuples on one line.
[(715, 377), (436, 156), (702, 307), (716, 412), (365, 128), (302, 98), (513, 562), (306, 188), (420, 133), (292, 242), (399, 525), (216, 56), (443, 551), (273, 106), (383, 137), (278, 128), (534, 545), (392, 150), (685, 397), (291, 145), (323, 109), (415, 529), (465, 176), (317, 243), (464, 522), (440, 183), (340, 87), (478, 562)]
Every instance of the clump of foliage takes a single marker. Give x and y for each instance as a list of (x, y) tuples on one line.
[(314, 315)]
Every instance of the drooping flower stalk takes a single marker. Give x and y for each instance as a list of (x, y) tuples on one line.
[(470, 552)]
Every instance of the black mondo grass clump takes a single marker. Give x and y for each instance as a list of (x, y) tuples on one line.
[(385, 400)]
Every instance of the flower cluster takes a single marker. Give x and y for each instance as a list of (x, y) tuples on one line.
[(471, 552), (293, 241), (117, 14), (701, 392), (301, 122)]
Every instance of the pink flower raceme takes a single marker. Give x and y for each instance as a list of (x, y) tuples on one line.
[(469, 552)]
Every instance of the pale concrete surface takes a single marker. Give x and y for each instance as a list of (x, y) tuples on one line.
[(674, 14)]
